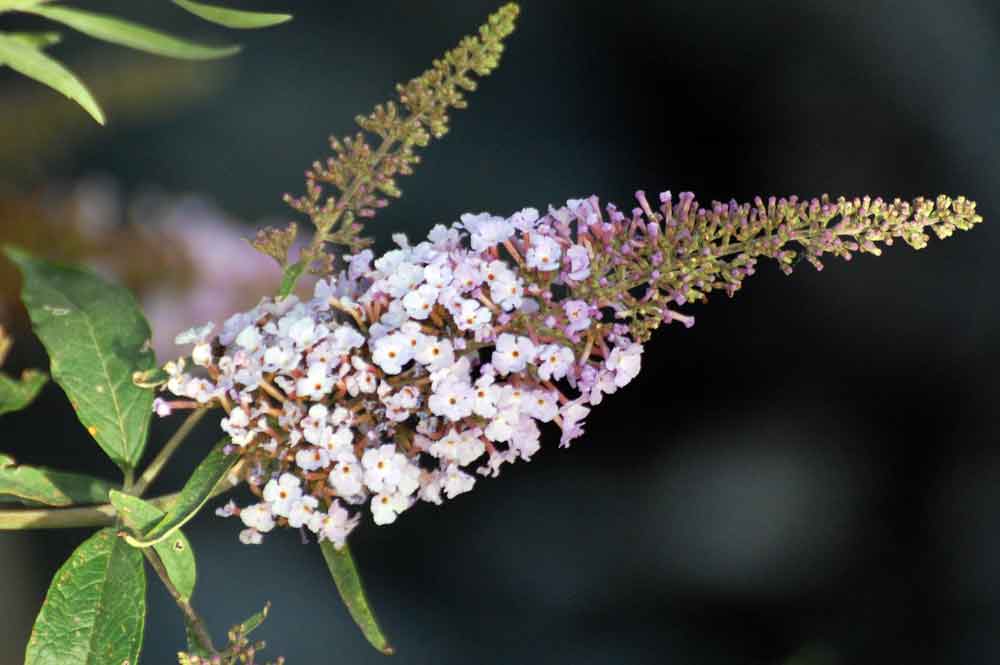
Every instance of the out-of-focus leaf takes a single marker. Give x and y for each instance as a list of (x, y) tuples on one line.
[(34, 64), (95, 609), (132, 35), (17, 5), (17, 395), (36, 39), (96, 337), (175, 552), (49, 487), (191, 498), (348, 581), (233, 18)]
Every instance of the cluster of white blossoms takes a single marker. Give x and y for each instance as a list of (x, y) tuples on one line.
[(406, 376)]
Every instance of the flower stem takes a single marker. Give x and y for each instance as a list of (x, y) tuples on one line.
[(169, 448), (194, 621)]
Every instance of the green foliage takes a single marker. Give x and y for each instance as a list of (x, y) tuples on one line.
[(95, 610), (196, 492), (36, 39), (175, 552), (22, 52), (360, 175), (38, 485), (16, 395), (233, 18), (31, 62), (131, 35), (348, 581), (96, 338)]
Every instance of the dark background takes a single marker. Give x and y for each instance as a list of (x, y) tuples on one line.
[(809, 476)]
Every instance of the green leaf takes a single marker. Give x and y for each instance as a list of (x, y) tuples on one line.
[(132, 35), (196, 492), (34, 64), (233, 18), (17, 395), (254, 622), (36, 39), (95, 610), (37, 485), (175, 552), (18, 5), (97, 338), (345, 575)]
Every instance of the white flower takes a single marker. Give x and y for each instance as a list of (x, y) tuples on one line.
[(462, 447), (507, 292), (316, 384), (468, 274), (543, 405), (346, 476), (543, 254), (436, 353), (452, 399), (486, 231), (310, 459), (438, 275), (251, 537), (363, 380), (501, 428), (391, 353), (456, 481), (201, 355), (578, 313), (385, 507), (524, 220), (409, 478), (553, 361), (281, 358), (625, 363), (249, 338), (383, 467), (344, 339), (336, 525), (420, 302), (193, 335), (525, 438), (258, 516), (472, 315), (282, 493), (579, 262), (486, 396), (305, 332), (512, 353), (572, 415), (430, 487), (301, 511)]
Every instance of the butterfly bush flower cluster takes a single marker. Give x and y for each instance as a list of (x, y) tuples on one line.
[(406, 377)]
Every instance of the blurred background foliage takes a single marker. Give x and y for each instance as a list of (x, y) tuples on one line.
[(809, 476)]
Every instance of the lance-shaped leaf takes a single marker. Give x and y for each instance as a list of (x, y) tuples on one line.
[(97, 338), (38, 485), (348, 581), (36, 39), (132, 35), (31, 62), (94, 612), (16, 395), (198, 490), (175, 552), (233, 18)]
